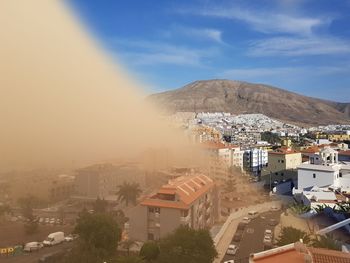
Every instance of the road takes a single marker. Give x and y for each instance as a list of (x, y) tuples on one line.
[(252, 240), (34, 257)]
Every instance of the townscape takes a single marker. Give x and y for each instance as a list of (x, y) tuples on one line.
[(158, 131), (264, 179)]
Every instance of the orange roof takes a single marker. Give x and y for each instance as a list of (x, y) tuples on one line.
[(187, 189), (217, 145), (283, 151), (321, 255), (297, 253), (311, 150), (344, 153), (288, 256)]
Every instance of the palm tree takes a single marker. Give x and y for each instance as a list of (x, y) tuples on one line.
[(326, 241), (128, 192), (290, 235)]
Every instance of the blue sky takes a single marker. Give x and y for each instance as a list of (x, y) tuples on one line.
[(299, 45)]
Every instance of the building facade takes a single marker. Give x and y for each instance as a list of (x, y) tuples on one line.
[(186, 200), (255, 160)]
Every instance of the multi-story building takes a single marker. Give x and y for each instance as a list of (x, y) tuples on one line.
[(323, 170), (222, 158), (102, 180), (282, 164), (187, 200), (255, 160)]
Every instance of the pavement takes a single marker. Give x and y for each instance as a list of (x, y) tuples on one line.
[(224, 237)]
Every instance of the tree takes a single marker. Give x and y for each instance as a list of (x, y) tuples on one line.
[(5, 209), (127, 244), (326, 241), (290, 235), (187, 245), (149, 251), (98, 233), (100, 206), (27, 204), (128, 192)]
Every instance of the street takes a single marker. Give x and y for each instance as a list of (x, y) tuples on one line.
[(34, 257), (252, 239)]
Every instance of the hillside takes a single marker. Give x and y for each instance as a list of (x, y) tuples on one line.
[(242, 97)]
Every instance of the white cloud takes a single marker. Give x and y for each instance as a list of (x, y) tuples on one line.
[(262, 72), (201, 33), (298, 46), (151, 53), (267, 22)]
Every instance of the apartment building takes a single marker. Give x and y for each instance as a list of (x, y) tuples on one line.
[(222, 158), (282, 164), (102, 180), (255, 160), (187, 200)]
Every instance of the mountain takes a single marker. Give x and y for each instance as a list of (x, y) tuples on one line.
[(242, 97)]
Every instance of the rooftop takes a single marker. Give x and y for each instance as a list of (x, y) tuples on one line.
[(180, 192), (284, 150), (299, 253)]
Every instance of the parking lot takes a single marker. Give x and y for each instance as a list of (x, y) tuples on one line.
[(252, 237)]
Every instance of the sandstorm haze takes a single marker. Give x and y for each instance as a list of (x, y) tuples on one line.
[(63, 102)]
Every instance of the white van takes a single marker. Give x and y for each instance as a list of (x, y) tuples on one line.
[(54, 239)]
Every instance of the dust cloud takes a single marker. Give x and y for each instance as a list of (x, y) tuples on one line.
[(63, 101)]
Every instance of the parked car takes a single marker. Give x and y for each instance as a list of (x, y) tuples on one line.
[(33, 246), (229, 261), (47, 220), (232, 249), (246, 220), (273, 222), (268, 232), (238, 236), (54, 239), (274, 208), (41, 220), (241, 226), (71, 237), (253, 214)]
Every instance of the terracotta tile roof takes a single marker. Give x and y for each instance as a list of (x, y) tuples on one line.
[(187, 189), (321, 255), (298, 253), (218, 145), (311, 150), (284, 151), (347, 153)]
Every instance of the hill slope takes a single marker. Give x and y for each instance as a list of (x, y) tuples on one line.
[(242, 97)]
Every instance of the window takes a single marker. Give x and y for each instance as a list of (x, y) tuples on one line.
[(157, 210), (314, 175), (150, 209), (340, 175), (276, 173), (282, 161), (282, 174), (150, 236)]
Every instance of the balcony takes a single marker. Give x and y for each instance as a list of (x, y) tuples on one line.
[(185, 220)]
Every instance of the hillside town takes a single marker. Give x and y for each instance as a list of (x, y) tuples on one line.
[(263, 176)]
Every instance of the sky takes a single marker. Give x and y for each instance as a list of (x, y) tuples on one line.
[(299, 45)]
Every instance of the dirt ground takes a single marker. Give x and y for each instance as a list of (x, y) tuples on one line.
[(12, 233)]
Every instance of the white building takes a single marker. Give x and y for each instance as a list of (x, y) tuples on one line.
[(323, 177), (255, 159)]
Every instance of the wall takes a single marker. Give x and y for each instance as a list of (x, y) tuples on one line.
[(323, 178)]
